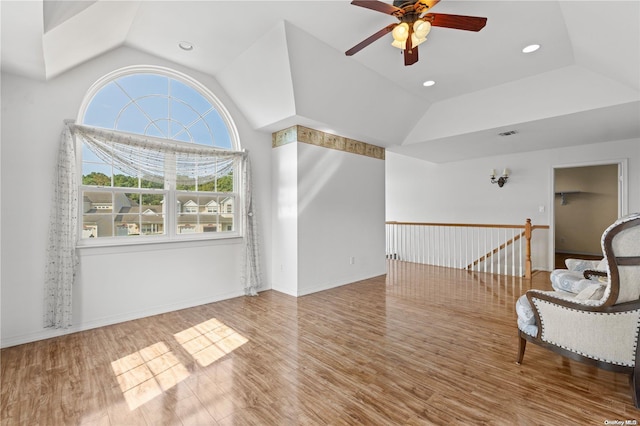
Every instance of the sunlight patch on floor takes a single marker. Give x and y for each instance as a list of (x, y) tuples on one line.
[(146, 374), (209, 341)]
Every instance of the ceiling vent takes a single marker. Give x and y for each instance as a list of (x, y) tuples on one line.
[(508, 133)]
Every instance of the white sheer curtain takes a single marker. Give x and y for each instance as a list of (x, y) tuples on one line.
[(145, 157), (252, 273), (63, 231)]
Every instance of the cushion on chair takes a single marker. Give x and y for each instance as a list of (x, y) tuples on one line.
[(526, 318), (570, 281), (592, 291), (581, 265)]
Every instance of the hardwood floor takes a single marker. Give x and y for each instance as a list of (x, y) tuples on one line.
[(422, 345)]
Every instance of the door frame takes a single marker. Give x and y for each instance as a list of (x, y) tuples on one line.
[(623, 196)]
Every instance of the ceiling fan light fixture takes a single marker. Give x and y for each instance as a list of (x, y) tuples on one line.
[(415, 41), (400, 32), (421, 29), (399, 44)]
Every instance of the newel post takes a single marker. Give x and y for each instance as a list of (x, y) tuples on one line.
[(527, 235)]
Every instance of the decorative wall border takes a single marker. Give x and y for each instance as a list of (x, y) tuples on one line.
[(303, 134)]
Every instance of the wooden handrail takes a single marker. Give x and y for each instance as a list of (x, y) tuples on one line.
[(468, 225)]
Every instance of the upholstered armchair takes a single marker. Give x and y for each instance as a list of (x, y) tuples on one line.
[(600, 324)]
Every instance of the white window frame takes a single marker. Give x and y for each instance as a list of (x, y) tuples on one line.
[(170, 193)]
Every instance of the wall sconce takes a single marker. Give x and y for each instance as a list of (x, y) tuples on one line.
[(502, 179)]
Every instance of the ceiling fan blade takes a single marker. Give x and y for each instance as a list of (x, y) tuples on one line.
[(379, 6), (458, 22), (364, 43)]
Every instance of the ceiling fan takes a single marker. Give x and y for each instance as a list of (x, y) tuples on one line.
[(415, 23)]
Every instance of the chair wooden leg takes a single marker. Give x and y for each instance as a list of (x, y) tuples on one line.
[(635, 386), (521, 347)]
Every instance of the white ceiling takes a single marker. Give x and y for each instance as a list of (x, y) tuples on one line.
[(582, 86)]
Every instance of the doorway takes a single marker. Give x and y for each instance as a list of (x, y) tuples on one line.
[(587, 199)]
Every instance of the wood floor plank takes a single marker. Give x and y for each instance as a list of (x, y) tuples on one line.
[(421, 345)]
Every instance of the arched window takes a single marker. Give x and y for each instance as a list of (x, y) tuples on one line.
[(128, 191)]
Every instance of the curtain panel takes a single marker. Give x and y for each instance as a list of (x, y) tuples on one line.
[(144, 157), (63, 231)]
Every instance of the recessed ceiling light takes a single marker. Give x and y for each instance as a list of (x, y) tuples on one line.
[(428, 83), (185, 45), (531, 48)]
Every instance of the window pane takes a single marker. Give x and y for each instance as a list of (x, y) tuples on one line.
[(217, 125), (96, 218), (122, 180), (152, 225), (127, 220), (133, 120), (188, 222), (225, 183), (183, 113), (209, 217), (144, 183), (188, 95), (96, 174), (156, 107), (138, 85), (184, 136), (186, 186), (105, 106), (88, 156), (201, 133), (154, 202), (200, 213), (157, 127)]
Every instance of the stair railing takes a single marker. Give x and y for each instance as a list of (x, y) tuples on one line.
[(499, 249)]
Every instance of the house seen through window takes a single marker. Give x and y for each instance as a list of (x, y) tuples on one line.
[(168, 106)]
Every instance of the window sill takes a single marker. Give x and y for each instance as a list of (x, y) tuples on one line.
[(153, 245)]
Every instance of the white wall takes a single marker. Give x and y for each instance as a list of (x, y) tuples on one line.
[(329, 224), (114, 284), (284, 186), (460, 192), (340, 218)]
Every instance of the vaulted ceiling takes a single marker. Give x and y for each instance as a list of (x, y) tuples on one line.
[(283, 63)]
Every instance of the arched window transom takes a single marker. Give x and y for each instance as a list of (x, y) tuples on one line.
[(160, 104)]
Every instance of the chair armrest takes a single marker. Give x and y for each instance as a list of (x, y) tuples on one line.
[(569, 301), (588, 273)]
